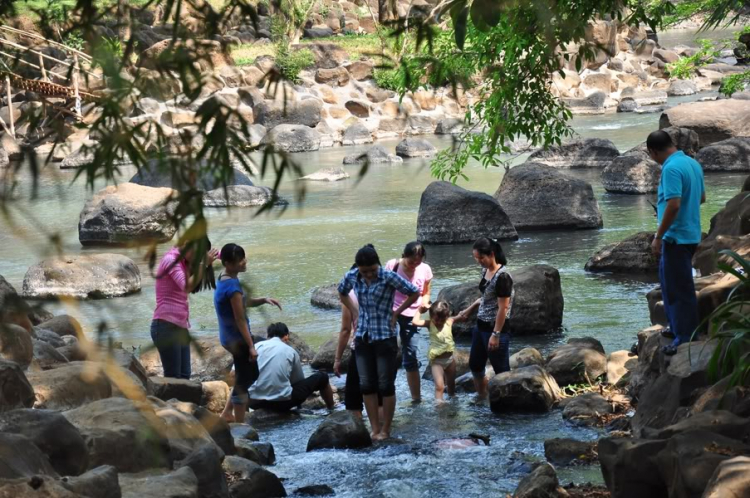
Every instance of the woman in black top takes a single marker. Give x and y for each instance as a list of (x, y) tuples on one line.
[(491, 336)]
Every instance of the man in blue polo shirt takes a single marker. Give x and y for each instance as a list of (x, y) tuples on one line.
[(681, 193)]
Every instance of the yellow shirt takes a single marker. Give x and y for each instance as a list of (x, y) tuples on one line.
[(441, 341)]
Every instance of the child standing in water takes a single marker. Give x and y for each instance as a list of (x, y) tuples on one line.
[(234, 329), (440, 325)]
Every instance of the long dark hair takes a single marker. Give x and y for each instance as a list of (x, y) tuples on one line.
[(201, 246), (231, 253), (486, 246), (367, 256), (414, 248)]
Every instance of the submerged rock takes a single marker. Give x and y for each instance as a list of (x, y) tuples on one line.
[(241, 196), (341, 430), (415, 147), (526, 389), (374, 155), (327, 175), (539, 197), (83, 276), (587, 153), (631, 255), (127, 214), (564, 451), (449, 214)]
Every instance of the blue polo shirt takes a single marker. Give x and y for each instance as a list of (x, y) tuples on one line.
[(682, 176)]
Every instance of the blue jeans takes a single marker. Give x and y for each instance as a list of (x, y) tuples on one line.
[(499, 358), (173, 344), (678, 289), (409, 343)]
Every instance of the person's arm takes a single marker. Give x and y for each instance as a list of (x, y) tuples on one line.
[(296, 374), (418, 322), (348, 303), (464, 314), (703, 197), (194, 280), (254, 302), (238, 309), (406, 288), (670, 213), (426, 293), (345, 334), (502, 310)]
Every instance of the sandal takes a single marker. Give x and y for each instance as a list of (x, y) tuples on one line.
[(667, 332), (670, 350)]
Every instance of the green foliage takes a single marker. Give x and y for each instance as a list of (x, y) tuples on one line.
[(389, 79), (717, 11), (75, 40), (292, 62), (735, 83), (729, 325), (686, 67)]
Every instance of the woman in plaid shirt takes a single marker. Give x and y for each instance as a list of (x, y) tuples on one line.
[(376, 346)]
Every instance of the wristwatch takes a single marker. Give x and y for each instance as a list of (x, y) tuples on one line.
[(495, 333)]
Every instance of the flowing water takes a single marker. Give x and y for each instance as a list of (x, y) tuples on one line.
[(313, 244)]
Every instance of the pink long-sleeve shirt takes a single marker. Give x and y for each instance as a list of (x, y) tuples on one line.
[(171, 296)]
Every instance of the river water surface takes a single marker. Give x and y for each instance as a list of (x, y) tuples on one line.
[(313, 244)]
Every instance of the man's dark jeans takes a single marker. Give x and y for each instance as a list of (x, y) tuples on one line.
[(678, 289), (173, 343), (300, 392)]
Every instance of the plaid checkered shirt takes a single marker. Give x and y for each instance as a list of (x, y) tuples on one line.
[(376, 301)]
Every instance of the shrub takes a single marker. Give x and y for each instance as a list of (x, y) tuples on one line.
[(291, 63)]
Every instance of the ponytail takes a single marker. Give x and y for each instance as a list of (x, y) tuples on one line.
[(486, 246), (367, 256)]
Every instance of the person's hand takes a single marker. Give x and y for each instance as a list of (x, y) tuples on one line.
[(253, 354), (394, 320), (270, 300), (211, 256), (656, 247), (494, 343), (337, 367), (423, 309)]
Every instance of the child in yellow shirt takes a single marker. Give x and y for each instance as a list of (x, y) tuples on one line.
[(441, 347)]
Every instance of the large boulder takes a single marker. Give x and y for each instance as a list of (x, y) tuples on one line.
[(732, 154), (15, 389), (101, 482), (292, 138), (250, 479), (126, 214), (374, 155), (632, 173), (205, 462), (16, 344), (152, 176), (714, 121), (241, 196), (727, 229), (70, 385), (131, 427), (19, 457), (540, 483), (577, 362), (449, 214), (180, 483), (415, 147), (631, 255), (587, 153), (51, 432), (538, 302), (271, 113), (679, 88), (83, 276), (539, 197), (340, 430), (356, 134), (526, 389), (326, 355), (629, 467)]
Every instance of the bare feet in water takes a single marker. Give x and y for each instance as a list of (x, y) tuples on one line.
[(381, 436)]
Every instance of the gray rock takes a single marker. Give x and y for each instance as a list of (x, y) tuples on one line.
[(650, 97), (62, 325), (16, 344), (574, 363), (540, 483), (632, 173), (250, 479), (679, 88), (205, 462), (358, 108), (326, 355), (292, 138), (241, 196), (629, 467), (538, 197), (538, 302), (728, 155), (374, 155), (273, 113), (712, 121), (449, 214), (525, 358), (49, 337), (631, 255), (151, 176), (315, 490), (127, 214), (180, 483), (340, 430), (131, 427), (592, 104), (166, 388), (326, 297), (101, 482), (731, 478), (449, 126), (19, 457), (47, 356), (356, 134), (587, 409), (69, 385), (564, 451), (587, 153), (83, 276), (525, 389), (627, 105), (51, 432), (327, 175), (318, 32), (414, 147)]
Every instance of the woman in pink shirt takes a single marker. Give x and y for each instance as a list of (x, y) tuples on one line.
[(413, 269), (174, 281)]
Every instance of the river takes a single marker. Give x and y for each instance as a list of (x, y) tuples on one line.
[(313, 243)]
